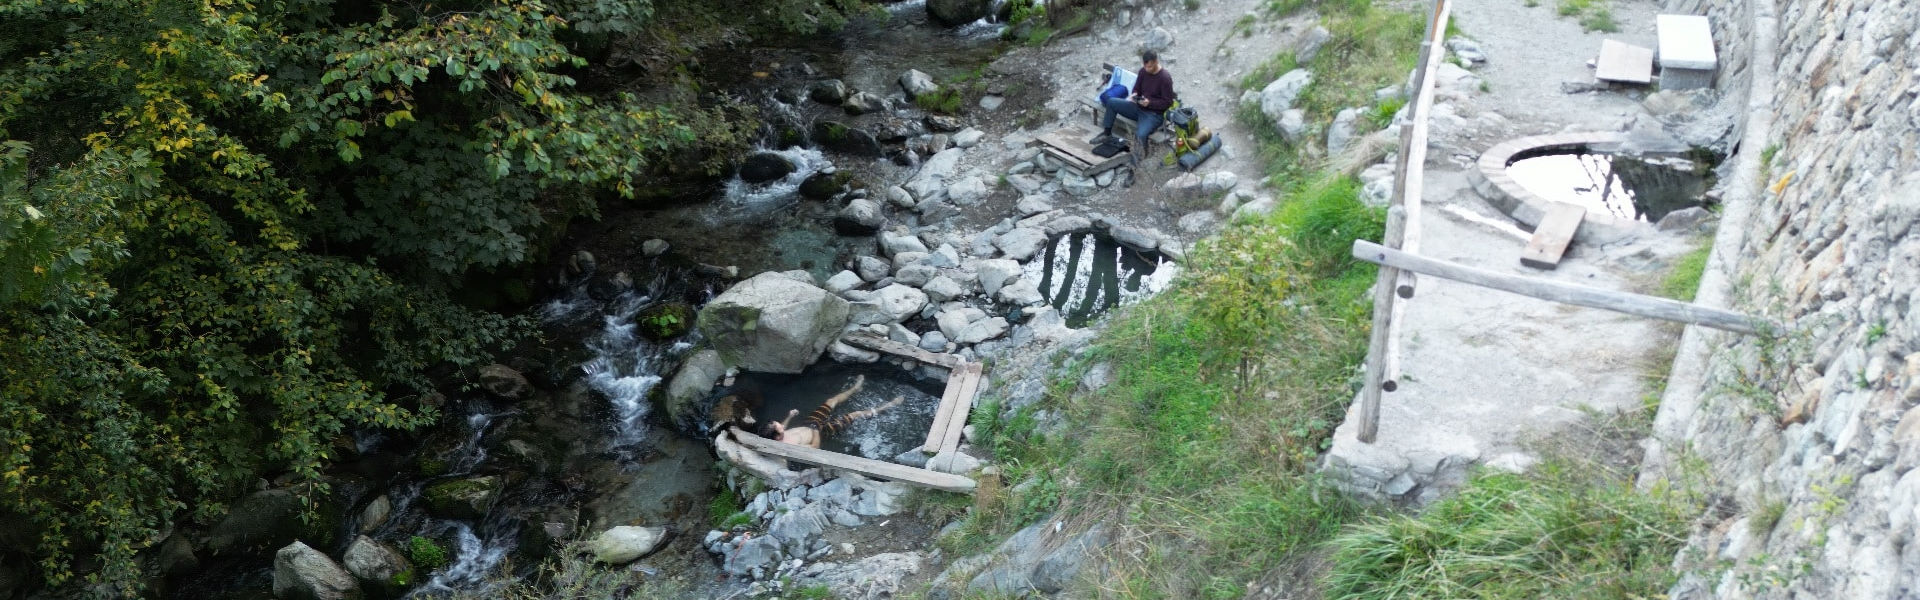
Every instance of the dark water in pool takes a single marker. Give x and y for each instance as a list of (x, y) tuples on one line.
[(1626, 187), (1084, 275), (881, 437)]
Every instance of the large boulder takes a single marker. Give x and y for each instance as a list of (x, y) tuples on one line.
[(1021, 243), (917, 84), (838, 137), (624, 544), (378, 566), (958, 12), (862, 103), (830, 91), (505, 383), (462, 498), (859, 217), (890, 304), (997, 272), (303, 573), (824, 185), (1278, 97), (772, 323), (272, 518), (692, 382), (763, 167)]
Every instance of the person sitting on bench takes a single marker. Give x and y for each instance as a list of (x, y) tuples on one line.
[(821, 422), (1152, 95)]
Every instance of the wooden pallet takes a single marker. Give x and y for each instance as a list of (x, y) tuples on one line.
[(863, 466), (1070, 147)]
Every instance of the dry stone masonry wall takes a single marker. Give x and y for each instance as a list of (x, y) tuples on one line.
[(1806, 441)]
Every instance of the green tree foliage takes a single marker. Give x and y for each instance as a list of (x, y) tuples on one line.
[(226, 228)]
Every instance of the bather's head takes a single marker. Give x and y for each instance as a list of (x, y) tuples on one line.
[(772, 430)]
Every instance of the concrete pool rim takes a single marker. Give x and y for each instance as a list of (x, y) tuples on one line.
[(1491, 181)]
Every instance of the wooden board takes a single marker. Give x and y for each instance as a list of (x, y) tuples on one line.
[(863, 466), (942, 413), (1624, 63), (1551, 238), (880, 344), (957, 420), (1076, 154)]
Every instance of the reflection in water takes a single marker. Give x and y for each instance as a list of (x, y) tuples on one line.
[(1085, 274), (1626, 187)]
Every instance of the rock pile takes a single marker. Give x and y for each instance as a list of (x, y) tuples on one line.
[(789, 525)]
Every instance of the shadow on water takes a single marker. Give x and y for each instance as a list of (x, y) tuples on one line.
[(1641, 189), (881, 437), (1084, 275)]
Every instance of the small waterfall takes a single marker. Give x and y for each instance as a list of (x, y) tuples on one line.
[(473, 559), (624, 368), (773, 194), (471, 453)]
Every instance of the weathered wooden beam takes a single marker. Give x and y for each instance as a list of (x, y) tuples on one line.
[(861, 465), (880, 344), (1568, 293), (938, 432), (962, 406)]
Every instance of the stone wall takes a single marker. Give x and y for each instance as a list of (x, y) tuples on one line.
[(1805, 441)]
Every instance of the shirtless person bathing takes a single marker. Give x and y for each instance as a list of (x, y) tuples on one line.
[(822, 421)]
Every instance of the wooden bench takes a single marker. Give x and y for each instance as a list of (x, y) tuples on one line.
[(1551, 237), (1121, 124), (1069, 146)]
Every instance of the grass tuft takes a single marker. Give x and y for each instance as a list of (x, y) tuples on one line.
[(1683, 281)]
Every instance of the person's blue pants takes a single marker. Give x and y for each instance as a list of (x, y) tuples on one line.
[(1146, 119)]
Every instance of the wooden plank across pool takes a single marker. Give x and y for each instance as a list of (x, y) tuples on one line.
[(864, 466)]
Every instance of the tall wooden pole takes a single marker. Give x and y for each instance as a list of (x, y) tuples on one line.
[(1403, 229)]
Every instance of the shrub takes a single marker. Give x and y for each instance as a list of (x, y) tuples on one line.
[(426, 554)]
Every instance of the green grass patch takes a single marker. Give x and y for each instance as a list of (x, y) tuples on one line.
[(815, 592), (1683, 280), (1371, 48), (426, 554), (1593, 15), (1555, 534)]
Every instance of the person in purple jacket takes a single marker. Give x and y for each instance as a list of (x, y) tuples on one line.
[(1147, 106)]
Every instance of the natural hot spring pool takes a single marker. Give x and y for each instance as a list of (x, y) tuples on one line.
[(1641, 189), (1085, 274), (881, 437)]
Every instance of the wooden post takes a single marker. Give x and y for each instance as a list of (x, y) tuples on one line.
[(1403, 230), (1568, 293)]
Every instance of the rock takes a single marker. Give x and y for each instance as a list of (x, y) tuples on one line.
[(1159, 39), (375, 514), (763, 167), (1020, 292), (1292, 125), (1058, 570), (176, 557), (1027, 184), (1340, 134), (942, 289), (653, 247), (1376, 185), (933, 176), (1186, 184), (753, 553), (1278, 97), (945, 257), (1078, 186), (1105, 178), (504, 383), (1032, 205), (916, 275), (1678, 105), (1097, 377), (994, 273), (968, 191), (829, 91), (1144, 240), (303, 573), (467, 498), (917, 84), (872, 268), (605, 287), (1454, 82), (823, 185), (1068, 224), (954, 321), (838, 137), (968, 138), (268, 519), (1021, 243), (941, 123), (956, 12), (958, 463), (626, 543), (898, 196), (1684, 219), (694, 379), (843, 281), (862, 103), (1310, 43), (897, 240), (1258, 207), (1198, 221), (859, 217), (1218, 182), (891, 304), (796, 529), (933, 341), (984, 329), (1467, 50), (772, 324), (378, 566), (992, 102), (903, 260), (878, 499)]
